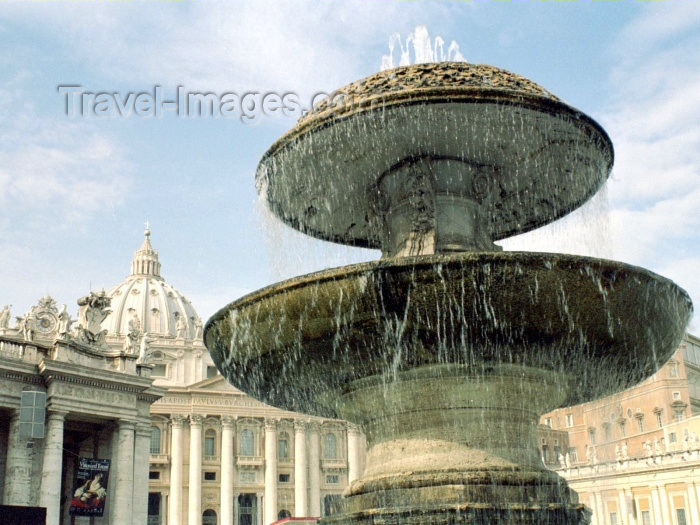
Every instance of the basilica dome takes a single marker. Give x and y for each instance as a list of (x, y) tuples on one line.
[(162, 311)]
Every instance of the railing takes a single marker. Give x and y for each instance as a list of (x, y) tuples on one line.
[(669, 459), (249, 461), (333, 463), (159, 459), (12, 349)]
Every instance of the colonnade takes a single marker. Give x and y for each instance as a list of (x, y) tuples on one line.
[(658, 510), (307, 470), (128, 497)]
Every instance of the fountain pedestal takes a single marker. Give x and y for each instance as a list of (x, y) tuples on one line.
[(455, 444)]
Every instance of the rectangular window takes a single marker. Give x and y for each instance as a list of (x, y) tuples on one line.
[(573, 455), (211, 372), (659, 420), (569, 420), (672, 437), (154, 474), (676, 396), (646, 517), (158, 371), (283, 478), (623, 429), (613, 518), (209, 446), (673, 369), (548, 422), (679, 414), (591, 433), (606, 431), (210, 476), (640, 424), (680, 515), (332, 479)]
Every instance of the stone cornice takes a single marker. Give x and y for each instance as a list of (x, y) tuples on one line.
[(53, 371)]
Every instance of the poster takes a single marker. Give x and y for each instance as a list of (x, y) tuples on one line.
[(90, 489)]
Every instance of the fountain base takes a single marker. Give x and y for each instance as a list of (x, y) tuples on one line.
[(456, 444)]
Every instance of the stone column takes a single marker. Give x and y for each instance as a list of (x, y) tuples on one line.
[(597, 504), (631, 515), (175, 503), (665, 514), (52, 468), (142, 456), (18, 467), (122, 506), (656, 505), (314, 471), (195, 492), (693, 503), (270, 471), (301, 478), (354, 452), (227, 429)]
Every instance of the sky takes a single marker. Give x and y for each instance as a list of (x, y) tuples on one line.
[(76, 190)]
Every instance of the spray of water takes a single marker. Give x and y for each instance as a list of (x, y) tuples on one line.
[(424, 50)]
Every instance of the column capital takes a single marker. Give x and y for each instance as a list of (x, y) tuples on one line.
[(127, 424), (197, 419), (143, 430), (271, 423), (314, 426), (177, 420), (228, 422), (354, 429), (54, 413), (301, 425)]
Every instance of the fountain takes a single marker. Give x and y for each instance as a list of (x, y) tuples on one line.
[(447, 349)]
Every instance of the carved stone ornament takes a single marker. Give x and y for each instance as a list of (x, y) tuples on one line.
[(94, 309)]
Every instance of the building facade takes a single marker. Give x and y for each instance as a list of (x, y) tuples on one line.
[(218, 456), (634, 457), (72, 406)]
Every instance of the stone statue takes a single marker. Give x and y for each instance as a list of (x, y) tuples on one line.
[(27, 326), (5, 317), (625, 451), (562, 460), (64, 322), (618, 453), (143, 349), (197, 328), (181, 327), (567, 460), (94, 308), (132, 336)]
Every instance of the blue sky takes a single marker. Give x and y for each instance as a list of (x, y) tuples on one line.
[(75, 192)]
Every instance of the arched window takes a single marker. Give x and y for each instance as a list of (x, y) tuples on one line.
[(210, 442), (209, 517), (284, 513), (155, 440), (283, 447), (331, 446), (247, 443)]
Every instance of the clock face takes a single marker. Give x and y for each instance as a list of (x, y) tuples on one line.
[(46, 322)]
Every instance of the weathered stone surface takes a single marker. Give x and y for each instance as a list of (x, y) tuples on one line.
[(299, 342), (533, 157)]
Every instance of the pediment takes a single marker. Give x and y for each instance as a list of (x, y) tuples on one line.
[(213, 384)]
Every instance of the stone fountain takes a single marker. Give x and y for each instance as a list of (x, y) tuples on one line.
[(446, 350)]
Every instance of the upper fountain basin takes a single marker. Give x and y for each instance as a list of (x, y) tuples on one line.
[(498, 152), (604, 325)]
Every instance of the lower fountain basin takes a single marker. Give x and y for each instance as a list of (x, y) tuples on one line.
[(297, 344)]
